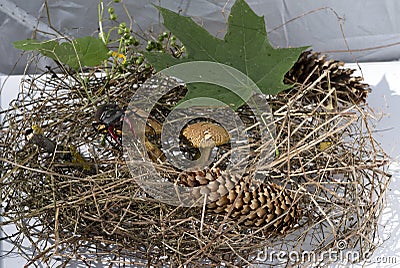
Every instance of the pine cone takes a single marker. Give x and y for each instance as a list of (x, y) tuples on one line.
[(267, 204), (310, 66)]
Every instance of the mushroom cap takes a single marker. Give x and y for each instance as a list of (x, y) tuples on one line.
[(203, 131)]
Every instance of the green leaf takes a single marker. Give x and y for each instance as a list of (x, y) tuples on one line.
[(161, 60), (245, 47), (46, 48), (92, 51), (250, 50), (198, 90), (86, 51)]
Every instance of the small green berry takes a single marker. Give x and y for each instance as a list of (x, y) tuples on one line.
[(173, 38), (139, 60), (136, 43), (120, 31), (147, 66), (173, 43), (111, 10), (160, 38), (109, 53), (113, 16), (132, 39), (159, 46), (117, 1), (150, 45), (126, 36), (165, 34), (122, 25)]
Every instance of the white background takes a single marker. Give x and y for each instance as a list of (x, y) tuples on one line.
[(324, 24)]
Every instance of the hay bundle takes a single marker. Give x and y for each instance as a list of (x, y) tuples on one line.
[(82, 203)]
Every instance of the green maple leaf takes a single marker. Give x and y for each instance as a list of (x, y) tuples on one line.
[(86, 51), (245, 47)]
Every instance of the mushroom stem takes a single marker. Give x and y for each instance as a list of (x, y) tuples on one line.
[(206, 147), (205, 153)]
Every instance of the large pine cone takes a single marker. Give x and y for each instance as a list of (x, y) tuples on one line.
[(310, 66), (261, 204)]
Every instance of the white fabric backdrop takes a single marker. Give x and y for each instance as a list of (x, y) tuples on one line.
[(321, 24)]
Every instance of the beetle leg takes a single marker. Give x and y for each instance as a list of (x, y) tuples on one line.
[(113, 135)]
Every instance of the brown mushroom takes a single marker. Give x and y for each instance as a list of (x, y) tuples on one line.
[(205, 136)]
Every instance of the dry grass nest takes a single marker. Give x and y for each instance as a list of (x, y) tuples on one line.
[(64, 211)]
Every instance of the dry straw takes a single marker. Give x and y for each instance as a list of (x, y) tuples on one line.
[(93, 211)]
